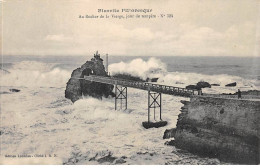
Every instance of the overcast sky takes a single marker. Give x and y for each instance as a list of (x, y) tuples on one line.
[(199, 28)]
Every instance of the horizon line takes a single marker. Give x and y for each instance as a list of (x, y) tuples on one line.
[(77, 55)]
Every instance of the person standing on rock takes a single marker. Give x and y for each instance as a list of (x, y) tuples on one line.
[(239, 94), (200, 91)]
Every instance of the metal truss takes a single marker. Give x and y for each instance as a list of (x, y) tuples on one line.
[(156, 102), (121, 94)]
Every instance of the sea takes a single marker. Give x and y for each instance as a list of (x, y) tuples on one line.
[(40, 126)]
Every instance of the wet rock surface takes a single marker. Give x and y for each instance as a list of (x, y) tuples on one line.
[(170, 143), (5, 92), (77, 87), (199, 85), (102, 157), (203, 84), (226, 129), (14, 90), (193, 87), (169, 133), (154, 124), (231, 84), (151, 79)]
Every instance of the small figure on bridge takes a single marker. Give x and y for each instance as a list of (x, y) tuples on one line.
[(239, 94)]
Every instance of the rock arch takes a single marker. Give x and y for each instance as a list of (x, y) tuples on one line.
[(77, 87)]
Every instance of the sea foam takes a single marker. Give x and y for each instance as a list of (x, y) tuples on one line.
[(35, 74)]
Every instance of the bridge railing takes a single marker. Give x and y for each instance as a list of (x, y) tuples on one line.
[(142, 85)]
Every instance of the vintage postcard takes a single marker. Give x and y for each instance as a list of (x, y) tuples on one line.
[(130, 82)]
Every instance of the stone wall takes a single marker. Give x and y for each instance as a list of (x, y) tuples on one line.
[(224, 128)]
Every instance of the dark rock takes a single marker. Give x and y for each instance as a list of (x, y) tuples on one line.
[(228, 94), (146, 153), (214, 84), (209, 135), (193, 87), (142, 153), (78, 87), (231, 84), (185, 102), (169, 133), (194, 130), (93, 158), (170, 143), (14, 90), (109, 158), (1, 132), (202, 84), (5, 92), (128, 77), (152, 79), (154, 124), (199, 86), (120, 160)]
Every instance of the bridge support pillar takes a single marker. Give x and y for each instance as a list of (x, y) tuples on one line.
[(120, 94), (154, 101)]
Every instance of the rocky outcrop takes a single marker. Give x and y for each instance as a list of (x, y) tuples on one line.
[(202, 84), (154, 124), (216, 127), (231, 84), (14, 90), (168, 133), (101, 157), (151, 79), (77, 87), (193, 87), (199, 86)]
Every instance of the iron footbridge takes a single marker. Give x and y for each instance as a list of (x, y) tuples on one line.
[(155, 92), (170, 90)]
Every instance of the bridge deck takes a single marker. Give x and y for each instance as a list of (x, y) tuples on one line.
[(170, 90)]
